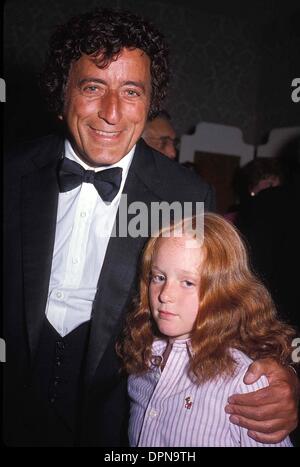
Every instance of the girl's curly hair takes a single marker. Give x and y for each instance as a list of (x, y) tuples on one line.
[(104, 33), (235, 309)]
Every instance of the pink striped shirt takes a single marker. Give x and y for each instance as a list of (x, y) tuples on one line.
[(168, 409)]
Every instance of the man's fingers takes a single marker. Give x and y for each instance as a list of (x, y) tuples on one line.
[(268, 438), (269, 414), (265, 412), (266, 427), (261, 396)]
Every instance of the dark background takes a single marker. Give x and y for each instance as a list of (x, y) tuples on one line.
[(232, 62)]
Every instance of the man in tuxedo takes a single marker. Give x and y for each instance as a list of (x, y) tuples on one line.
[(67, 282)]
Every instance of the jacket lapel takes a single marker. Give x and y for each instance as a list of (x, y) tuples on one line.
[(39, 208), (121, 261)]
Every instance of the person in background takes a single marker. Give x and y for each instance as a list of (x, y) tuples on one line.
[(257, 175), (200, 319), (269, 225), (268, 222), (160, 135)]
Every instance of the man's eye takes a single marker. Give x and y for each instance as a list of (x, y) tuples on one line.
[(90, 89), (132, 93)]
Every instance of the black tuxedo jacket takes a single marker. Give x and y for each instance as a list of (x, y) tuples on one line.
[(31, 198)]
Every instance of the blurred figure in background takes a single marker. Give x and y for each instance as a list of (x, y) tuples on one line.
[(269, 224), (160, 135), (257, 175)]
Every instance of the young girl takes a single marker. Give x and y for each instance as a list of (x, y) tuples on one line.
[(200, 319)]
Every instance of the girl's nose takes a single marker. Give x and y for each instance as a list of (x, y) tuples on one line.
[(167, 293)]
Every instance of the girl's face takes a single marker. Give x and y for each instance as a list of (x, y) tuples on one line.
[(174, 285)]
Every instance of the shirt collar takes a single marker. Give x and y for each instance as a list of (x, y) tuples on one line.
[(160, 344), (124, 163)]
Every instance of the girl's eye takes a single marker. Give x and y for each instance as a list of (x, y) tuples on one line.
[(157, 278), (188, 283)]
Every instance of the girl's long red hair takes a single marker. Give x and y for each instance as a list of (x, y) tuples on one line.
[(235, 308)]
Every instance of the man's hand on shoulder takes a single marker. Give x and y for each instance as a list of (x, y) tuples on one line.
[(269, 414)]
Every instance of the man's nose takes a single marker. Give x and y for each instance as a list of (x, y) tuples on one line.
[(110, 108), (170, 150)]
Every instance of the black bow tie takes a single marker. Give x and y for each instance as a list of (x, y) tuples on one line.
[(107, 182)]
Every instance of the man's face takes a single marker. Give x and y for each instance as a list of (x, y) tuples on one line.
[(106, 109), (160, 135)]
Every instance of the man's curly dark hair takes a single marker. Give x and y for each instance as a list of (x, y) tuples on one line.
[(107, 31)]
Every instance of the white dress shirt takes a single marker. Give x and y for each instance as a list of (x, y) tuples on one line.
[(83, 227)]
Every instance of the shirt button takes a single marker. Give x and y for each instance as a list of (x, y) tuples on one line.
[(83, 214), (75, 260), (60, 345), (59, 294), (152, 413)]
